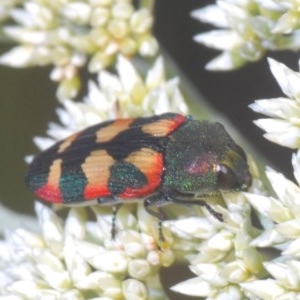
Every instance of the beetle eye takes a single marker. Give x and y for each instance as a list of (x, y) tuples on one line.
[(226, 178)]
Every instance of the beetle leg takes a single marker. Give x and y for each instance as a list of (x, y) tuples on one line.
[(110, 200), (115, 201), (189, 201), (156, 200), (113, 227)]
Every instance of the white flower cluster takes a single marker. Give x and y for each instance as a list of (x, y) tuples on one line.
[(118, 96), (77, 259), (280, 218), (283, 124), (280, 213), (253, 254), (242, 259), (220, 254), (68, 34), (248, 29)]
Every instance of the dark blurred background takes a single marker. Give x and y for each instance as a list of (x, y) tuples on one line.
[(28, 98)]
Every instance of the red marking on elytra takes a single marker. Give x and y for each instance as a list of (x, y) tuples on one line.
[(178, 120), (49, 193), (154, 177), (94, 191)]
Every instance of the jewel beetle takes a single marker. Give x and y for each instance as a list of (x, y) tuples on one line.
[(162, 159)]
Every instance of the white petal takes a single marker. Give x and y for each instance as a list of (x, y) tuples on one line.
[(179, 104), (77, 267), (288, 80), (285, 24), (12, 220), (270, 4), (232, 292), (75, 223), (235, 272), (222, 241), (279, 72), (132, 244), (18, 57), (58, 132), (268, 238), (225, 62), (139, 268), (74, 111), (101, 281), (219, 39), (156, 75), (70, 295), (280, 131), (289, 229), (278, 107), (289, 139), (285, 275), (148, 46), (88, 250), (27, 36), (26, 289), (22, 17), (109, 81), (141, 21), (235, 10), (193, 287), (264, 289), (64, 117), (210, 272), (41, 15), (78, 12), (99, 61), (211, 14), (96, 98), (194, 227), (43, 143), (294, 82), (110, 261), (269, 207), (167, 257), (128, 75), (29, 239), (285, 189), (122, 10), (57, 279), (68, 87), (51, 226), (296, 165), (160, 102), (134, 290), (293, 248)]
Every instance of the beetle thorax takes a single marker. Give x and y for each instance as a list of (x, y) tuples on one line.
[(201, 157), (191, 158)]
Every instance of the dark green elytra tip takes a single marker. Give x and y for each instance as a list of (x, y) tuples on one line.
[(201, 158), (124, 176), (72, 185)]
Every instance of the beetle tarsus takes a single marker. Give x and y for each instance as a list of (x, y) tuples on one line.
[(114, 216), (200, 202), (217, 215)]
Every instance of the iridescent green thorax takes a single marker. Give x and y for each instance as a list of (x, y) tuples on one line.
[(201, 157)]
